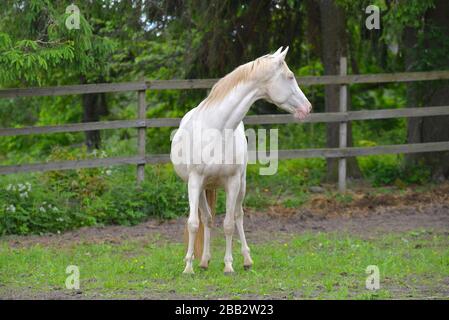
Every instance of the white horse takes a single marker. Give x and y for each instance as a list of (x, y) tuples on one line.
[(267, 77)]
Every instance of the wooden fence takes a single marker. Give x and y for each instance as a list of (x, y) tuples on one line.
[(141, 123)]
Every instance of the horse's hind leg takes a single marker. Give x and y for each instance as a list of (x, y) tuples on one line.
[(247, 261), (194, 188), (206, 218)]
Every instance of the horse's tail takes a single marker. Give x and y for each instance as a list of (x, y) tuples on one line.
[(211, 197)]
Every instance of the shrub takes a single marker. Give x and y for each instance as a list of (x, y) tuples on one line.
[(61, 200), (388, 170), (24, 210)]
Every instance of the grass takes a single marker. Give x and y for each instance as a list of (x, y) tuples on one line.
[(313, 265)]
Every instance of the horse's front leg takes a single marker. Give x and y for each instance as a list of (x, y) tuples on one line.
[(247, 261), (194, 189), (232, 190)]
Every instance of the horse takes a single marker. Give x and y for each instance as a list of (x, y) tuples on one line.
[(267, 77)]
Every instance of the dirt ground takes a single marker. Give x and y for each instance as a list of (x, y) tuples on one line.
[(366, 215)]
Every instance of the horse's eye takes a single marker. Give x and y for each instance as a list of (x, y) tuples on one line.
[(291, 77)]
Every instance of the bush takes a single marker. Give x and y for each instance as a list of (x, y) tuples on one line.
[(62, 200), (388, 170), (125, 203), (26, 209)]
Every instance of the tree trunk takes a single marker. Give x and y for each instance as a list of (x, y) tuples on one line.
[(313, 27), (430, 129), (333, 39), (94, 106), (410, 41)]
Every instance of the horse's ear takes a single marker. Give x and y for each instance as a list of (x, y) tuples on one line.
[(280, 57), (277, 52), (283, 53)]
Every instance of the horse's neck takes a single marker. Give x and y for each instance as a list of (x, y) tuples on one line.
[(228, 113)]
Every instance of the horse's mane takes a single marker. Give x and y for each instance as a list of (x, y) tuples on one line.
[(249, 71)]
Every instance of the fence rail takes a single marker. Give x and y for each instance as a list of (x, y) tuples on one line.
[(282, 154), (142, 123), (208, 83), (248, 120)]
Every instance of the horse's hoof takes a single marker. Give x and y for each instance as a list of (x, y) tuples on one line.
[(188, 274), (229, 273), (204, 265), (228, 270), (247, 267), (188, 271)]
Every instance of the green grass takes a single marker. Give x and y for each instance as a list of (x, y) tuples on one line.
[(412, 265)]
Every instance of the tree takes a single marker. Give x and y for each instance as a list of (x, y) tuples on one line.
[(45, 51), (427, 46), (334, 46), (220, 35)]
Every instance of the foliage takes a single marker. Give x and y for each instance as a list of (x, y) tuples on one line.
[(388, 170), (101, 196), (44, 46), (402, 15), (23, 210), (62, 200)]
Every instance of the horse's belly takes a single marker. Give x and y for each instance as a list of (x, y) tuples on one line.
[(214, 160), (214, 175)]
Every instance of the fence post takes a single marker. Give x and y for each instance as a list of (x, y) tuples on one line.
[(343, 127), (141, 134)]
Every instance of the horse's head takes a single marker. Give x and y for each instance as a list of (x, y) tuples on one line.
[(282, 88)]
